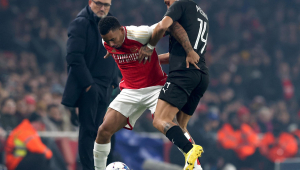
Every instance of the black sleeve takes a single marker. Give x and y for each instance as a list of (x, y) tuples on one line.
[(175, 11), (76, 51)]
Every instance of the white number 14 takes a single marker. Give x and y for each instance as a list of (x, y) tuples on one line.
[(201, 33)]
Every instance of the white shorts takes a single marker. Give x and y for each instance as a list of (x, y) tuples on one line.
[(133, 102)]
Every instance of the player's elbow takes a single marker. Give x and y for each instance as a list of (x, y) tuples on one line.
[(162, 27)]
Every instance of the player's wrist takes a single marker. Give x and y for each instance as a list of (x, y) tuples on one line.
[(151, 47), (188, 50)]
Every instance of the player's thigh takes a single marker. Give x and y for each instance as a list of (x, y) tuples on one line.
[(193, 100), (172, 94), (165, 112), (113, 121), (150, 98), (179, 86), (129, 104)]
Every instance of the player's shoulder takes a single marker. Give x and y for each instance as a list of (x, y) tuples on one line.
[(143, 29), (139, 33)]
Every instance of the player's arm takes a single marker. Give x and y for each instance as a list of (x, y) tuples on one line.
[(167, 26), (160, 30), (174, 13), (179, 33), (164, 58), (158, 33)]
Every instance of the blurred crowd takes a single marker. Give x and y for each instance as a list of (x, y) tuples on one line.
[(253, 56)]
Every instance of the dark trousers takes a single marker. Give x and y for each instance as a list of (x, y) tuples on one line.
[(251, 162), (34, 161), (57, 161), (92, 108)]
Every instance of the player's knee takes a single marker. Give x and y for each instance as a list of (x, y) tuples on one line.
[(104, 132), (156, 123)]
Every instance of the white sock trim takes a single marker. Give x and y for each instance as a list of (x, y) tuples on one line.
[(187, 135), (101, 152), (102, 147)]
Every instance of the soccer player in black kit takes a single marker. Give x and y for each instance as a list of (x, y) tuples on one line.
[(186, 83)]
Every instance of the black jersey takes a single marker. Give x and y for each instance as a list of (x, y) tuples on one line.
[(195, 22)]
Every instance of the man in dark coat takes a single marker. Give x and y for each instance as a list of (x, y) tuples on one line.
[(90, 76)]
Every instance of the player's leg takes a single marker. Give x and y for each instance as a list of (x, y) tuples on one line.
[(172, 98), (183, 120), (125, 108), (113, 122), (165, 114), (189, 108), (163, 121), (151, 103), (175, 94)]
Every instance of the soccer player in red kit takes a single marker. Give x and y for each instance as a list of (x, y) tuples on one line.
[(140, 86), (141, 83)]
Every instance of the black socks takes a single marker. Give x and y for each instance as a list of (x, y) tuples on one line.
[(175, 135)]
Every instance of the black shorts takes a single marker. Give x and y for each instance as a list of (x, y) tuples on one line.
[(184, 89)]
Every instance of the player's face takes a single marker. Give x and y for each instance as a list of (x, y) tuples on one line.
[(169, 3), (114, 38), (100, 7)]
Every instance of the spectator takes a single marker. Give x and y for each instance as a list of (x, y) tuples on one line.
[(265, 116), (277, 145), (8, 114), (25, 150), (55, 117), (239, 141)]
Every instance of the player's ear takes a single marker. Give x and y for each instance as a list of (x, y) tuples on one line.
[(90, 1), (122, 29)]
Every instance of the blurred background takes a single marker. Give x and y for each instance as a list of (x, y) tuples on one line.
[(248, 119)]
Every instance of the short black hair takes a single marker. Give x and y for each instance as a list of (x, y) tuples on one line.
[(107, 24)]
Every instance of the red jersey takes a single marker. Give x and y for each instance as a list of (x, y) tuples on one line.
[(137, 75)]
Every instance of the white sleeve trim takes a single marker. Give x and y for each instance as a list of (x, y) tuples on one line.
[(102, 42), (141, 34)]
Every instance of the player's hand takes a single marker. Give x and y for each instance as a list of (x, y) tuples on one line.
[(74, 116), (107, 55), (145, 54), (193, 58)]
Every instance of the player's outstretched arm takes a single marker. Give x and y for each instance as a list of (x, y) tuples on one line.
[(179, 33), (164, 58), (158, 32)]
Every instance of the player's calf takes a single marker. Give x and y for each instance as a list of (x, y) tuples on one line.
[(183, 120), (104, 135), (102, 147), (114, 121)]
